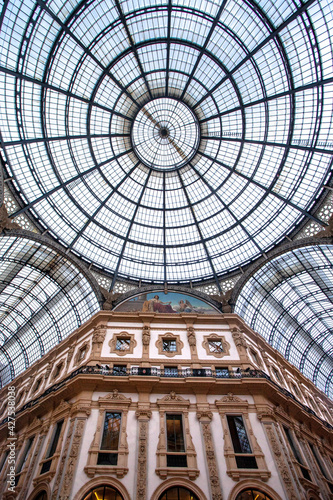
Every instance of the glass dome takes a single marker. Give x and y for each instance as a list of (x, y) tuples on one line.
[(43, 298), (289, 301), (167, 141)]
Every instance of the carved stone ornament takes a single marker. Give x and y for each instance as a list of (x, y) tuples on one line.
[(280, 461), (239, 338), (70, 353), (146, 335), (5, 221), (231, 398), (191, 336), (114, 396), (216, 345), (173, 398), (99, 333), (223, 299), (72, 460), (163, 340), (110, 298), (61, 466), (122, 343), (141, 487), (216, 493)]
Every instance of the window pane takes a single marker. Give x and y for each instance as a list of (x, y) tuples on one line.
[(215, 346), (111, 431), (175, 436), (238, 434), (169, 345)]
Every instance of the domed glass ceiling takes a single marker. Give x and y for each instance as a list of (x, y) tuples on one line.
[(43, 298), (289, 301), (167, 141)]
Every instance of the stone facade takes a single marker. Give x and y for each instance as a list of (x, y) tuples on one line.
[(143, 386)]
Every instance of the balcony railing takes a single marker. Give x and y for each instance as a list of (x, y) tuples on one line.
[(162, 373)]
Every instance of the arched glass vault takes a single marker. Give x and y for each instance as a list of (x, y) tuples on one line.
[(43, 298), (289, 301), (167, 141)]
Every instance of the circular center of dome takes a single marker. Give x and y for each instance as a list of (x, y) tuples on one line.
[(165, 134)]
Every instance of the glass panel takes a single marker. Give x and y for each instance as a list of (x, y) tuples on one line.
[(55, 439), (287, 302), (111, 431), (238, 434), (169, 345), (215, 346), (177, 493), (123, 344), (103, 163), (175, 436)]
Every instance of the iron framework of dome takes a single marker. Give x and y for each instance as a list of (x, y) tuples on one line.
[(167, 142), (43, 298), (289, 301)]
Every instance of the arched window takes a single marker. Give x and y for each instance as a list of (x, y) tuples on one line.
[(41, 495), (103, 493), (252, 495), (178, 493)]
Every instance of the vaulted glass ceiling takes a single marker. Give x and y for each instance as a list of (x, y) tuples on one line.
[(43, 298), (289, 301), (94, 91)]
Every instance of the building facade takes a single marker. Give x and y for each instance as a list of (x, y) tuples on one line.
[(153, 405)]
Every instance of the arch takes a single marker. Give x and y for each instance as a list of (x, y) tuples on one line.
[(177, 481), (253, 484), (102, 481), (160, 288), (43, 486)]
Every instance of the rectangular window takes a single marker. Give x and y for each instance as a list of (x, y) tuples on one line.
[(25, 455), (175, 435), (318, 460), (23, 459), (53, 446), (297, 455), (241, 444), (111, 431), (110, 439), (82, 353), (176, 456), (37, 386), (238, 434)]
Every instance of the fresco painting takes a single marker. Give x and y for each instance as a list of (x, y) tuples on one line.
[(171, 303)]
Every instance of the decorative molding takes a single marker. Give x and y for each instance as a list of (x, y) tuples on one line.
[(70, 353), (205, 416), (213, 337), (62, 461), (117, 402), (143, 415), (72, 459), (241, 344), (235, 406), (169, 336), (179, 405), (122, 336), (83, 347)]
